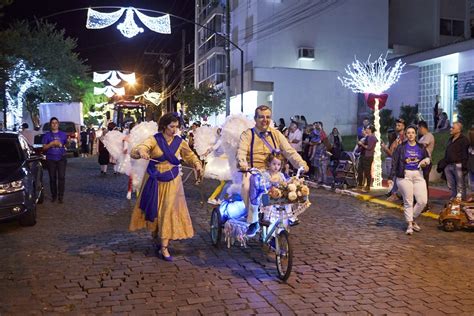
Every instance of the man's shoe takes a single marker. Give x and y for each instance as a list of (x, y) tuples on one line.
[(253, 229), (416, 228)]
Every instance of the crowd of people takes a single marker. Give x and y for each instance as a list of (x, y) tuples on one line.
[(277, 151)]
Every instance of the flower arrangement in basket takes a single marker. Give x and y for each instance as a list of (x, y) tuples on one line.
[(292, 191)]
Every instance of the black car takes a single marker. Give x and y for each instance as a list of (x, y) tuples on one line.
[(21, 179)]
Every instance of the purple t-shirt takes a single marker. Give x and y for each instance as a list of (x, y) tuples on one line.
[(55, 153), (413, 156)]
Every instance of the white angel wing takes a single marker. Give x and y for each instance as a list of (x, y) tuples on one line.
[(204, 138), (113, 141), (138, 134)]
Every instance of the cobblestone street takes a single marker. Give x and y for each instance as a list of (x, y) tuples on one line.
[(349, 257)]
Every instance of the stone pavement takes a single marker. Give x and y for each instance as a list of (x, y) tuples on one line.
[(351, 257)]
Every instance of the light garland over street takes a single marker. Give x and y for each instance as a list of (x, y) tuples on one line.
[(128, 28)]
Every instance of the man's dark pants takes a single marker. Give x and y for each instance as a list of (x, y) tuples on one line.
[(57, 175)]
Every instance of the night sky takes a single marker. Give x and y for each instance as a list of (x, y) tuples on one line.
[(107, 49)]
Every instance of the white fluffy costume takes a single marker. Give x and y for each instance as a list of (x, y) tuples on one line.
[(220, 152)]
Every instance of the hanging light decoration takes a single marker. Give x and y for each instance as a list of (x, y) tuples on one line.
[(373, 79), (128, 28), (109, 91), (111, 77)]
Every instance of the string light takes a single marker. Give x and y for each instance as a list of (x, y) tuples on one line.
[(21, 79), (128, 28), (373, 77)]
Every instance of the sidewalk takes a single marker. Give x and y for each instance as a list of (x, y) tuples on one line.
[(438, 196)]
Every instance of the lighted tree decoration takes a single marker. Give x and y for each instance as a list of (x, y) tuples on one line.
[(22, 77), (373, 79)]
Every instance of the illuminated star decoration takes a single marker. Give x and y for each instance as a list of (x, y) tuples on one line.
[(373, 77), (111, 77), (128, 28)]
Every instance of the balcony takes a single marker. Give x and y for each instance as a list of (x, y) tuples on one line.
[(212, 7)]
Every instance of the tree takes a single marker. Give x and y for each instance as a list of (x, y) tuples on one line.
[(466, 112), (203, 101), (39, 48)]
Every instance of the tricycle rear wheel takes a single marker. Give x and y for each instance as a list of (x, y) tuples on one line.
[(216, 227)]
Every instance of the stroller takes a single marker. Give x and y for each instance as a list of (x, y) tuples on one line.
[(346, 171)]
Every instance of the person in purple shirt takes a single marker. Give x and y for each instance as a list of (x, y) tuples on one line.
[(54, 143), (409, 161)]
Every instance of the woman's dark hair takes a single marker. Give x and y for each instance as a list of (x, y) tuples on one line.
[(52, 119), (166, 120), (282, 121), (411, 126), (303, 119)]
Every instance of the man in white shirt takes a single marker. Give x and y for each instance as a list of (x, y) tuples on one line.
[(427, 139), (295, 137)]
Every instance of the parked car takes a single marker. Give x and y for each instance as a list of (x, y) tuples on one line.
[(72, 130), (21, 179)]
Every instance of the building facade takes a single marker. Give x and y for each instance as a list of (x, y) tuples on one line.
[(295, 50), (440, 64), (209, 47)]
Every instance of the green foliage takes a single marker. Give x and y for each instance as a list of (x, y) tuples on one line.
[(4, 3), (89, 99), (409, 114), (466, 112), (47, 49), (386, 120), (203, 101)]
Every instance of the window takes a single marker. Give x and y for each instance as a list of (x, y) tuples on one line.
[(306, 53), (449, 27)]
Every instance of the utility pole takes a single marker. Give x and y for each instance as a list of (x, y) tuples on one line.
[(227, 59), (183, 55)]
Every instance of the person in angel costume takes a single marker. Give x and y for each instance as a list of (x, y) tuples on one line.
[(243, 144), (255, 145), (161, 206)]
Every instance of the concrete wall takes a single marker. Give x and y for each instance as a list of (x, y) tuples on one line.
[(414, 23), (316, 94), (405, 91)]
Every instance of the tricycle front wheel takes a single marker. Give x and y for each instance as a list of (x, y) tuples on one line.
[(284, 255)]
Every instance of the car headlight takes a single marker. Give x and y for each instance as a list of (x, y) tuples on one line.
[(11, 187)]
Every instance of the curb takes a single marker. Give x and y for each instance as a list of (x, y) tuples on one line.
[(368, 198)]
